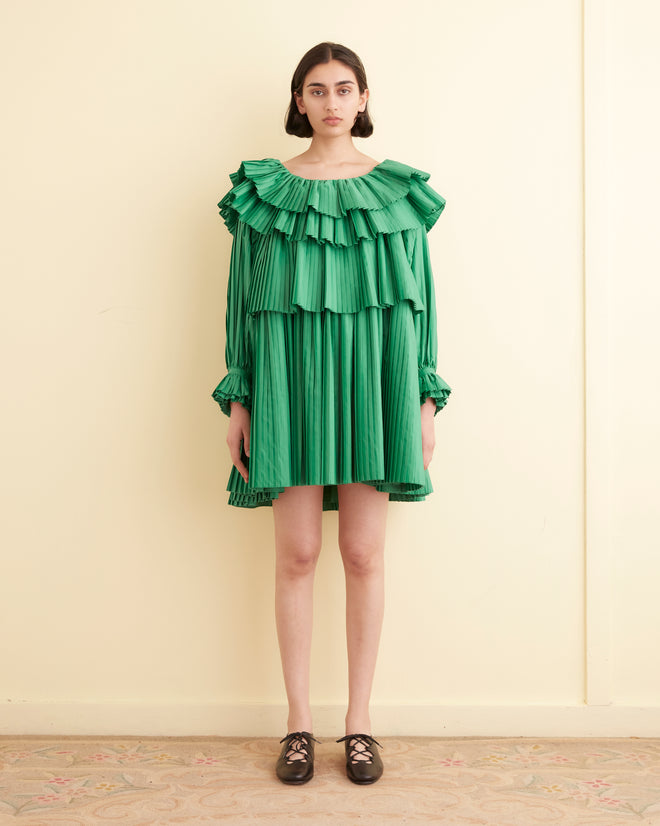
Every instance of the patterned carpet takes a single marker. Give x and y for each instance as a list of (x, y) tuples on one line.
[(454, 782)]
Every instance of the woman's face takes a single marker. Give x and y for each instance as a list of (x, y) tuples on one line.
[(331, 98)]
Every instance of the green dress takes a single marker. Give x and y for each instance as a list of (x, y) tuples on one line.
[(331, 329)]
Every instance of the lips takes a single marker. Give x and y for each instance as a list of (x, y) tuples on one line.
[(332, 121)]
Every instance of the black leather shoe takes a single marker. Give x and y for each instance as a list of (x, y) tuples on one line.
[(296, 761), (363, 763)]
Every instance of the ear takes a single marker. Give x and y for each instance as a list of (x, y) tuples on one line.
[(364, 97), (299, 103)]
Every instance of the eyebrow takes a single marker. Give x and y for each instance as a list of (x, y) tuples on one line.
[(340, 83)]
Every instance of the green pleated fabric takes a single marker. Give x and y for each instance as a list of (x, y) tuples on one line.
[(331, 329)]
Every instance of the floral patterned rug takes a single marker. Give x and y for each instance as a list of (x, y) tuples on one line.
[(454, 782)]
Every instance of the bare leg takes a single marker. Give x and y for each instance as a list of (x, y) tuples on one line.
[(297, 518), (362, 518)]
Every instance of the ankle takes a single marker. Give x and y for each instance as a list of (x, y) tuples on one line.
[(299, 722), (358, 724)]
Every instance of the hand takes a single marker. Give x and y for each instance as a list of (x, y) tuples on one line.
[(428, 431), (239, 431)]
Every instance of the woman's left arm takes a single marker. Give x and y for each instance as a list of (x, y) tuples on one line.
[(433, 390)]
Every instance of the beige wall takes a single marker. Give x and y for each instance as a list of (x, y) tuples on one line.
[(634, 344), (134, 600)]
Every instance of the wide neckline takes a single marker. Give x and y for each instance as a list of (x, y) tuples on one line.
[(328, 180)]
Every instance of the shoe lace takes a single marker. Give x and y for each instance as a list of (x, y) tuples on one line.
[(298, 745), (360, 746)]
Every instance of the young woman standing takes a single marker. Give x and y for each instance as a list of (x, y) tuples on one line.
[(331, 385)]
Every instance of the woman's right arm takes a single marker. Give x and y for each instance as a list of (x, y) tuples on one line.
[(234, 393)]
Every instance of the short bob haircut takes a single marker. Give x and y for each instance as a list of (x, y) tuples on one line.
[(299, 125)]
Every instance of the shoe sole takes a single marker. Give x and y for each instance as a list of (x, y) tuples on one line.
[(363, 782), (296, 782)]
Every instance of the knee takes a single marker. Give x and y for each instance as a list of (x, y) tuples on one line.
[(298, 558), (361, 557)]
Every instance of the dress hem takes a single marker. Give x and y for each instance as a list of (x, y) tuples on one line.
[(242, 496)]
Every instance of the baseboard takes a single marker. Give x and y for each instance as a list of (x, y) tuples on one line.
[(252, 720)]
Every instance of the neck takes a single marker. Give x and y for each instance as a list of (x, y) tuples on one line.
[(332, 150)]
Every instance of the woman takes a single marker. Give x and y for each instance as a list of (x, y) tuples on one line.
[(331, 386)]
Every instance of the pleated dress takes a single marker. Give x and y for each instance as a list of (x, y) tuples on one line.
[(331, 329)]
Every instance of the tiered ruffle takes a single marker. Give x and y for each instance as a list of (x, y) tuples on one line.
[(338, 317), (339, 245), (391, 198)]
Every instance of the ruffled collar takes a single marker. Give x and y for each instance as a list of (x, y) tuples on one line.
[(387, 182), (390, 197)]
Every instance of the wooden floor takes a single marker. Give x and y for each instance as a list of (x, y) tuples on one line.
[(456, 782)]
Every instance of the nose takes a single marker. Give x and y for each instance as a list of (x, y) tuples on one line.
[(331, 102)]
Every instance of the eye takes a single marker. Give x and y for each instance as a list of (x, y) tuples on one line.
[(345, 91), (317, 92)]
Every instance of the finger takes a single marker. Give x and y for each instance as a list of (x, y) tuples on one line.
[(246, 441), (240, 467), (234, 443), (235, 453)]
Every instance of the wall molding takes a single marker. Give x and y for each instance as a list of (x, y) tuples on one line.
[(261, 720)]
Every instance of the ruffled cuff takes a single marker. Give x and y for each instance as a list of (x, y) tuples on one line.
[(235, 387), (432, 386)]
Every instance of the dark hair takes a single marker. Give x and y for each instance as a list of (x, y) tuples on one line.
[(299, 125)]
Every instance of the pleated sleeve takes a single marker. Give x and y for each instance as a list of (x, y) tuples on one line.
[(236, 386), (431, 385)]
